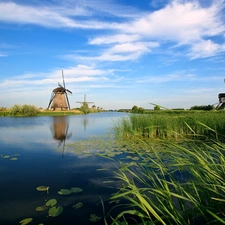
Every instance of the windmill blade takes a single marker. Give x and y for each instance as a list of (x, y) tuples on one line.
[(69, 91), (60, 85), (51, 99), (67, 100), (63, 80)]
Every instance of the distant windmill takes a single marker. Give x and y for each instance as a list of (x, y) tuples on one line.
[(59, 99), (84, 102), (221, 104)]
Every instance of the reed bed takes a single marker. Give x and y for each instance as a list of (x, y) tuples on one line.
[(170, 125), (171, 182), (174, 185)]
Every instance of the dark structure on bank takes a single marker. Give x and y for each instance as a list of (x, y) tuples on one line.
[(59, 98), (221, 104)]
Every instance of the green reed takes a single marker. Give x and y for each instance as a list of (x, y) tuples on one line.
[(171, 182), (174, 184), (172, 125)]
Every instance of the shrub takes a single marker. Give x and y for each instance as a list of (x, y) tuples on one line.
[(23, 110)]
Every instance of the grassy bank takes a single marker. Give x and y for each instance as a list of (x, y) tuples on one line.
[(30, 110)]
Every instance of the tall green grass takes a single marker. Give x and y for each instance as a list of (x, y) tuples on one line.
[(173, 185), (172, 125), (172, 182)]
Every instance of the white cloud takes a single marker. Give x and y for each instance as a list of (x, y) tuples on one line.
[(180, 22), (119, 38), (205, 48)]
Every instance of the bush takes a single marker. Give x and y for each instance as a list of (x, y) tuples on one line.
[(23, 110)]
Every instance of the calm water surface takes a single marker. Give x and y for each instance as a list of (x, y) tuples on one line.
[(43, 159)]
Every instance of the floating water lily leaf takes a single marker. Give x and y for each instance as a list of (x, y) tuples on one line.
[(14, 158), (64, 192), (26, 221), (55, 211), (41, 208), (135, 158), (51, 202), (78, 205), (43, 188), (76, 189), (94, 218), (6, 156)]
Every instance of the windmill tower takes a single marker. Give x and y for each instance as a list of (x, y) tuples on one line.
[(221, 104), (59, 99)]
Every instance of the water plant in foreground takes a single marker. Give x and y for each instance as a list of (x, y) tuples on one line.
[(170, 183)]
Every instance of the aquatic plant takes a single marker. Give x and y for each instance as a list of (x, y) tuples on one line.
[(171, 182), (26, 221), (43, 188), (70, 191), (55, 211), (172, 125)]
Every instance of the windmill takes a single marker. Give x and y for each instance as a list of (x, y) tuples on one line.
[(59, 99), (84, 102), (221, 104)]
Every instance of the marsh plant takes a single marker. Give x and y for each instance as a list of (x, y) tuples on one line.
[(169, 182), (172, 125)]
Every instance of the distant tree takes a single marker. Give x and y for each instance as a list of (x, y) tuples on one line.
[(156, 108), (141, 110), (202, 107), (84, 108), (134, 109)]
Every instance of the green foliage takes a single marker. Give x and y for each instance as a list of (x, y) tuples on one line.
[(23, 110), (84, 108), (202, 107), (134, 109), (141, 110), (156, 108)]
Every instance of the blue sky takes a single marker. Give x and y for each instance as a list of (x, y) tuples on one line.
[(119, 53)]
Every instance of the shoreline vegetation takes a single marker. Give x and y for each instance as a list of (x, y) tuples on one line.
[(177, 172), (30, 110)]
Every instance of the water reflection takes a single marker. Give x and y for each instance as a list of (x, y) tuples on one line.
[(60, 129)]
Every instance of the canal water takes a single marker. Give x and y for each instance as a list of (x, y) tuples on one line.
[(39, 151)]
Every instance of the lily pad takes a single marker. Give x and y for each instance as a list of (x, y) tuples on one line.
[(78, 205), (76, 189), (14, 158), (51, 202), (41, 208), (42, 188), (26, 221), (64, 192), (55, 211), (94, 218)]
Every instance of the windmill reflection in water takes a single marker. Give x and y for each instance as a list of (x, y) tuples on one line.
[(59, 130)]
